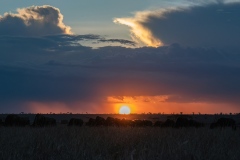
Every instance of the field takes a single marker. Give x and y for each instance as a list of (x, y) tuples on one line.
[(102, 142), (62, 142)]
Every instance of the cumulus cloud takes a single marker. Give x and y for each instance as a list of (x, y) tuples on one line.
[(43, 26), (207, 24), (33, 21)]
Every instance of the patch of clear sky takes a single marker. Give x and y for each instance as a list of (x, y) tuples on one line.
[(93, 16)]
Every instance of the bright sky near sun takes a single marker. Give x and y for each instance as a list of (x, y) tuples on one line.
[(92, 16), (97, 56)]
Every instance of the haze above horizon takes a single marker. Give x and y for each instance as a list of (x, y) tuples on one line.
[(89, 56)]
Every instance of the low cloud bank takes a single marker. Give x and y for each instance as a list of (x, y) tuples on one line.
[(69, 74)]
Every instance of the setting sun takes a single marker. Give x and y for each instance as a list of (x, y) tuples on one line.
[(124, 110)]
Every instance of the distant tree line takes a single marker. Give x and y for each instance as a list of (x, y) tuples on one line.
[(182, 121)]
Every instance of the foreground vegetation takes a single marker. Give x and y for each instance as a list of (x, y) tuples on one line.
[(72, 143)]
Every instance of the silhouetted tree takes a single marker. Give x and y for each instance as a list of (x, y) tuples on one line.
[(1, 122), (75, 122), (99, 121), (91, 122), (185, 122), (168, 123), (111, 121), (64, 121), (15, 120), (224, 122), (158, 124), (42, 121)]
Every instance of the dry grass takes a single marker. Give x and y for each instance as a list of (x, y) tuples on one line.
[(118, 143)]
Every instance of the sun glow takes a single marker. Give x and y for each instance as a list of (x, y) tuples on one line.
[(124, 110)]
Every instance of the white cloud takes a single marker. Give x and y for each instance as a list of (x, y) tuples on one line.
[(33, 21)]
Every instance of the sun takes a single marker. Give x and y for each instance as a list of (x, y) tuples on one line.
[(124, 110)]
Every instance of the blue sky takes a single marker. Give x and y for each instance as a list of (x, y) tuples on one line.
[(156, 56), (92, 16)]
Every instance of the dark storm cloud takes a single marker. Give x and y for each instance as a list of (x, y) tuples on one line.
[(208, 24), (75, 39), (121, 41), (85, 74), (53, 43), (57, 68)]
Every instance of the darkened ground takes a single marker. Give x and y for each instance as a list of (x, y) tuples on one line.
[(125, 142), (62, 142)]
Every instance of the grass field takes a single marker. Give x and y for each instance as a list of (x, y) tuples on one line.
[(72, 143)]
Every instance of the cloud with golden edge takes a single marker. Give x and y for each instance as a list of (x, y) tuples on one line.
[(137, 99), (187, 25), (34, 21), (139, 31)]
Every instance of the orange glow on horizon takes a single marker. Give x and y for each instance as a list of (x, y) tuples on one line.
[(119, 106), (159, 104), (137, 105)]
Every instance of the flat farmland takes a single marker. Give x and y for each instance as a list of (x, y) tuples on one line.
[(102, 142), (62, 142)]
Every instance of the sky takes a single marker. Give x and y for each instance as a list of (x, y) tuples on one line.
[(94, 56)]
